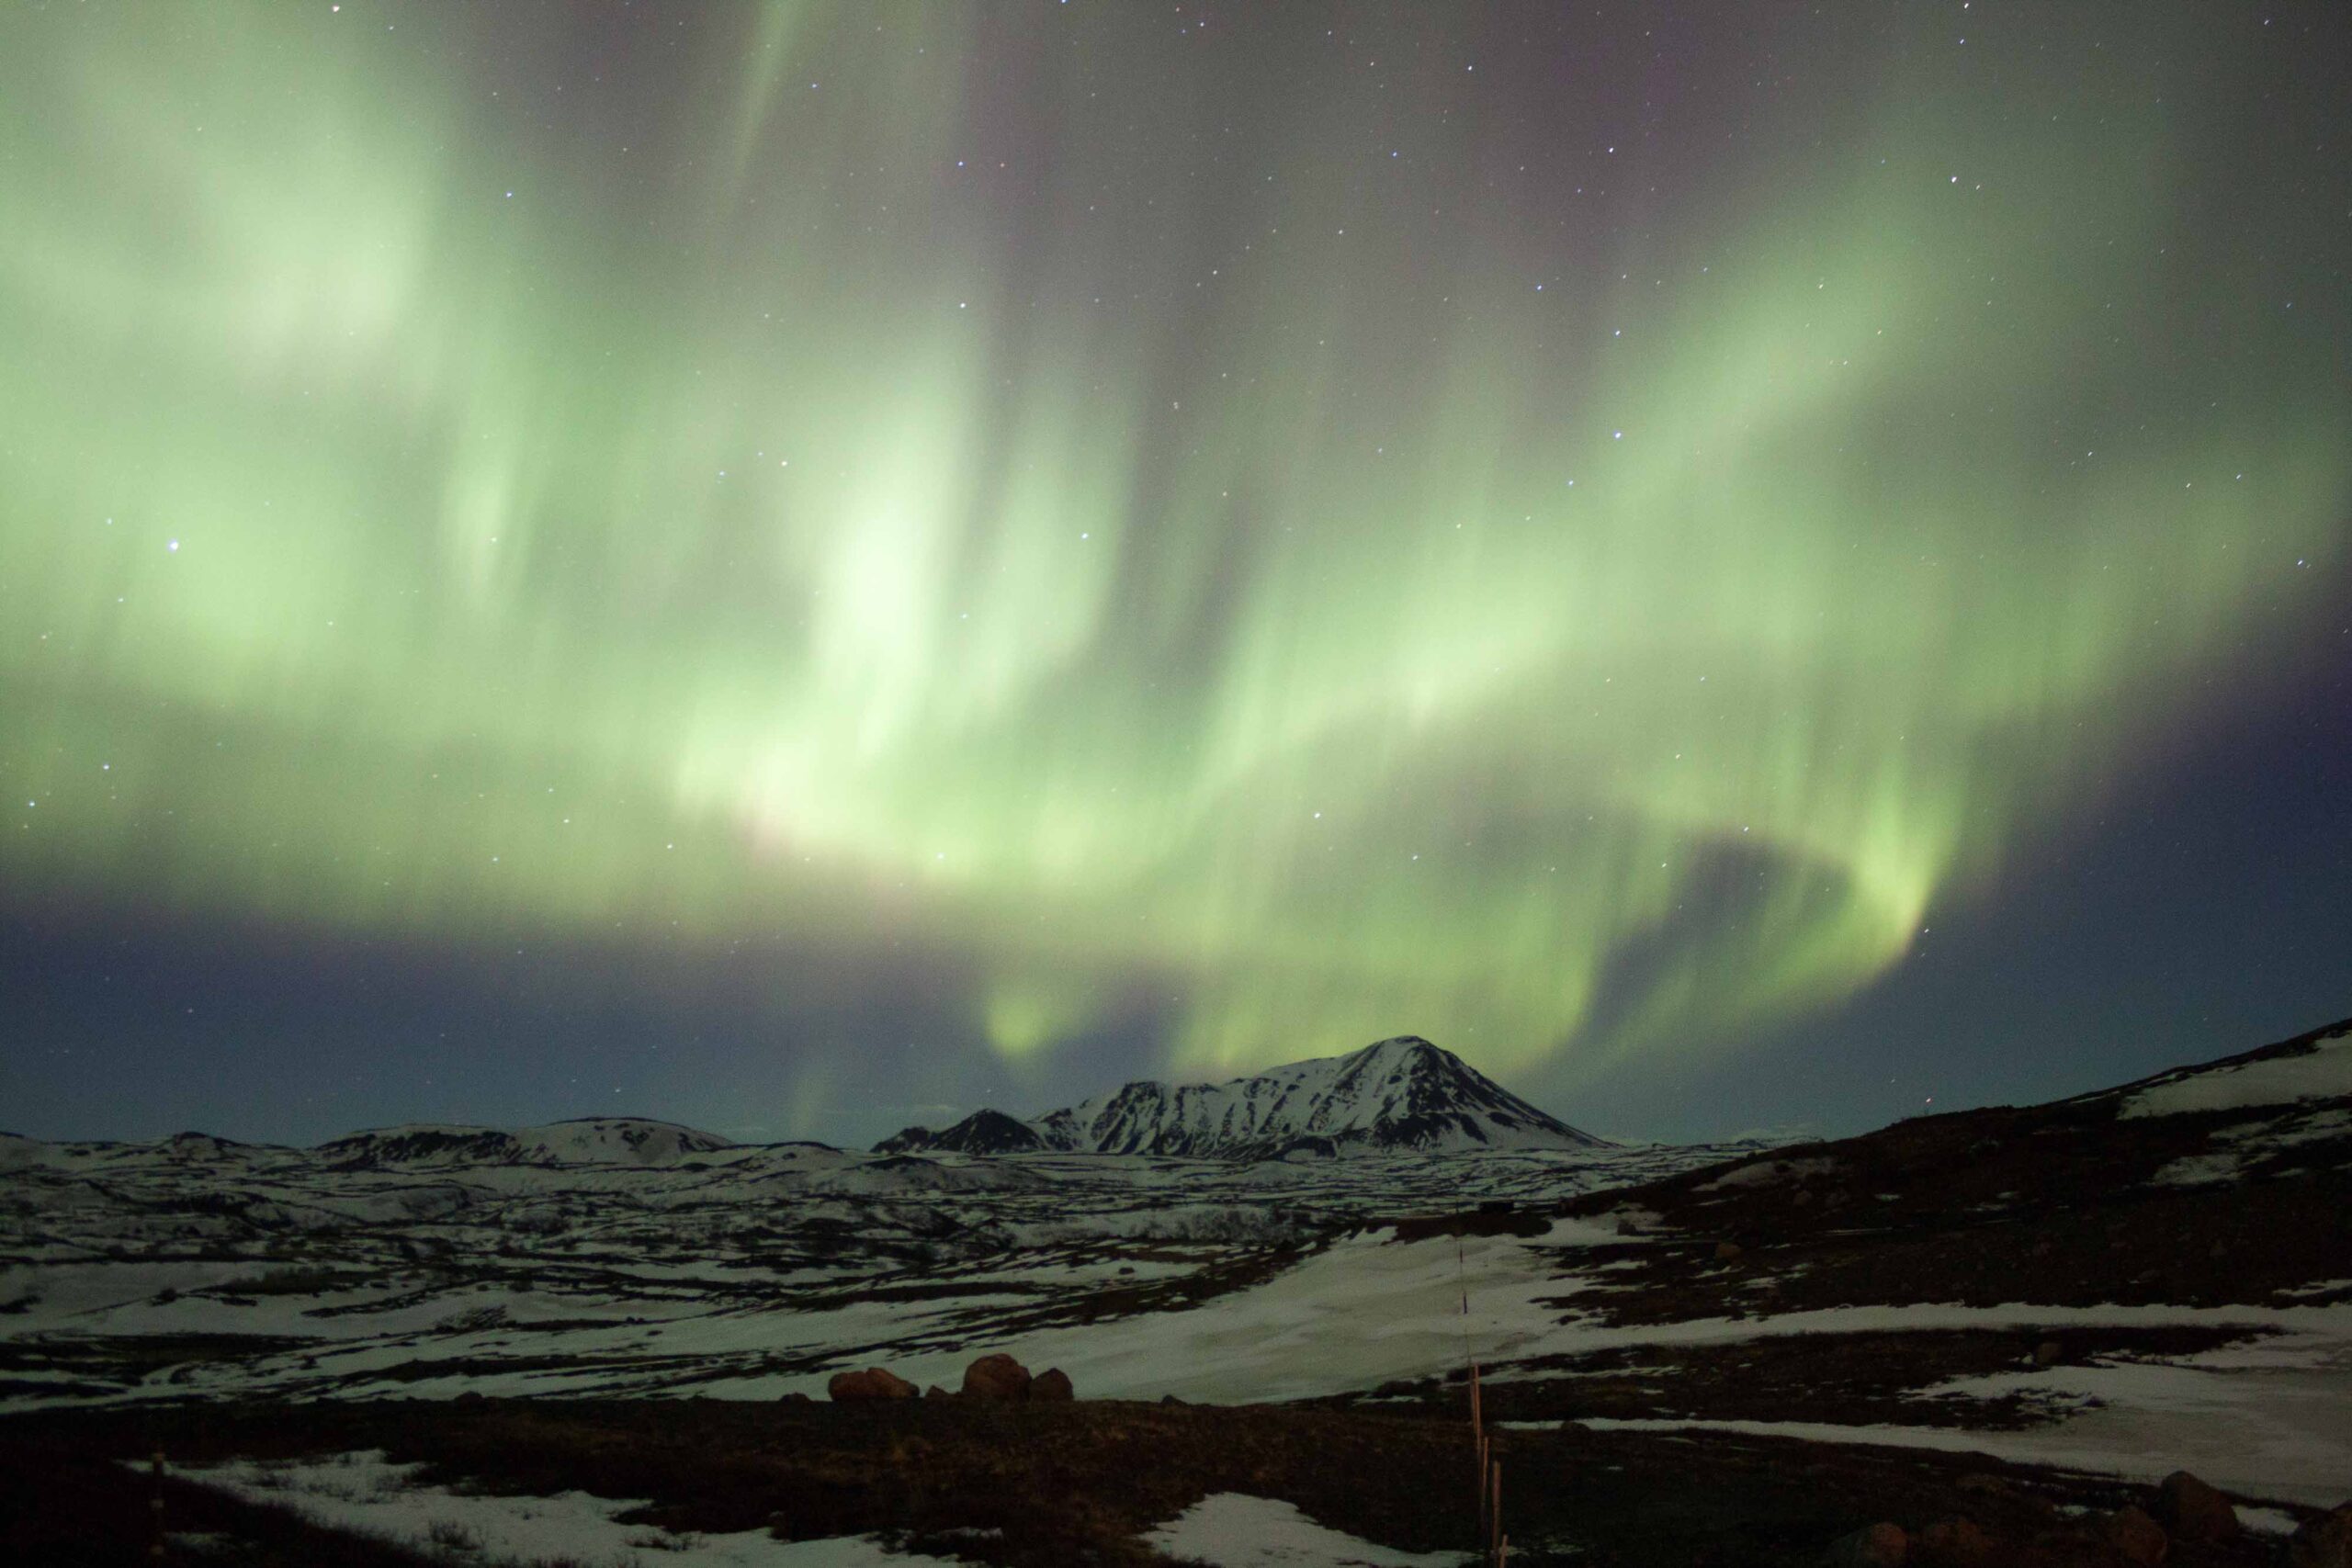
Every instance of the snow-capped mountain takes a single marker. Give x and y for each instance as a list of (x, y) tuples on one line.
[(615, 1140), (981, 1132), (1398, 1094)]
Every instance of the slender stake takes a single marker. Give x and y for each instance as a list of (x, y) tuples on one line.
[(155, 1506), (1495, 1504)]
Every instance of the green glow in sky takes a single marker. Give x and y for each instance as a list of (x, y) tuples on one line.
[(1166, 554)]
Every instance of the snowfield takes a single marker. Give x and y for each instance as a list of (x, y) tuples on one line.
[(2123, 1284), (2324, 1072), (360, 1492)]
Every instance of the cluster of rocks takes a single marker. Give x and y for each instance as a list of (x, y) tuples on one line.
[(996, 1377), (2183, 1510)]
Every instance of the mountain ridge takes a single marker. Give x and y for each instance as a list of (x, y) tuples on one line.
[(1402, 1093)]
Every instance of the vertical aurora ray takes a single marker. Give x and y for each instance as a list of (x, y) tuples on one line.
[(1229, 586)]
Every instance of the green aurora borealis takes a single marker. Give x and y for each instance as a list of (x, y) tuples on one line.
[(1300, 535)]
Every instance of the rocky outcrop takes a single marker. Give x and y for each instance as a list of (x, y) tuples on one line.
[(1880, 1545), (874, 1382), (2135, 1536), (2190, 1510), (1957, 1543), (2324, 1543), (996, 1377)]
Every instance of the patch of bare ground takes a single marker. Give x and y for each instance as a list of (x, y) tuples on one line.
[(2065, 1204), (1847, 1379), (79, 1508), (102, 1364), (1181, 1292), (1031, 1485)]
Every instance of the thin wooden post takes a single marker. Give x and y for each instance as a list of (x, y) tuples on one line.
[(155, 1506), (1495, 1509)]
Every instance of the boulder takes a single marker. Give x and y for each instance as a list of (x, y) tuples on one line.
[(1725, 1252), (935, 1392), (996, 1377), (2324, 1543), (2049, 1353), (2190, 1510), (874, 1382), (1881, 1545), (795, 1397), (1957, 1543), (2136, 1536), (1052, 1383)]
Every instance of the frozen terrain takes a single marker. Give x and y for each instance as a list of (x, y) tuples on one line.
[(428, 1261), (2111, 1287)]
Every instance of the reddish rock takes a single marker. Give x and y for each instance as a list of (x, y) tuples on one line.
[(874, 1382), (996, 1377), (2136, 1536), (1725, 1252), (1052, 1383), (935, 1392), (1880, 1545), (1957, 1543), (2049, 1353), (2191, 1510), (2324, 1543)]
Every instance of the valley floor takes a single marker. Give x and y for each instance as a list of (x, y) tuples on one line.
[(2016, 1320)]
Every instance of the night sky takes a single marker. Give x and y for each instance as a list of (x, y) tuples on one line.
[(804, 568)]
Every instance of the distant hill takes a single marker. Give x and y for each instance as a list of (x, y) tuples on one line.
[(1400, 1094), (598, 1140)]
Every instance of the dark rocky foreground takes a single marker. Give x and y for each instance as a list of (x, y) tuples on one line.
[(1039, 1485)]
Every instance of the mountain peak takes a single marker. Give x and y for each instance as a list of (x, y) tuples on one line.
[(1395, 1094)]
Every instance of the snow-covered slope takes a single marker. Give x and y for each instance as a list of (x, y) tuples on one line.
[(619, 1140), (1398, 1094), (2311, 1068)]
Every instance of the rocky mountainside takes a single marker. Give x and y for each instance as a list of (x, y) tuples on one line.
[(617, 1140), (1397, 1095)]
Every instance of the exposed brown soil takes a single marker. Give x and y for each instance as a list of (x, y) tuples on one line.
[(2051, 1204), (1066, 1483), (1846, 1379)]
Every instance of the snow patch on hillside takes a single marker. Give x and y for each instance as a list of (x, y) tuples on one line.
[(1232, 1530), (361, 1492), (2322, 1073)]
